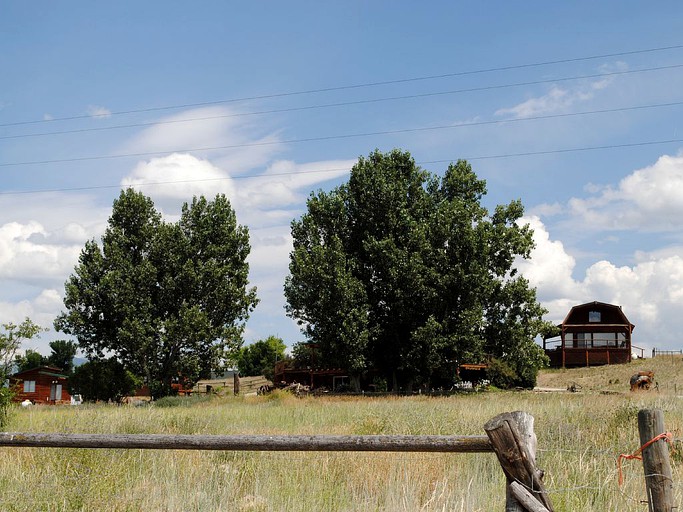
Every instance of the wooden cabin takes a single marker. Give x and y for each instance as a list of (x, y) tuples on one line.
[(41, 385), (591, 334)]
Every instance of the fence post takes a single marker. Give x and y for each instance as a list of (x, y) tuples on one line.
[(656, 464), (513, 439)]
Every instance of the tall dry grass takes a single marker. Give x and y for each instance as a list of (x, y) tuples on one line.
[(580, 436)]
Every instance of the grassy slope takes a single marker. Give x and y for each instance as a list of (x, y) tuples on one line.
[(668, 374)]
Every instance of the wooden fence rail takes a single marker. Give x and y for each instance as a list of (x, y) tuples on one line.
[(379, 443)]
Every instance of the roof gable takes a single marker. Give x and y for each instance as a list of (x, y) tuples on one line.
[(50, 371), (596, 313)]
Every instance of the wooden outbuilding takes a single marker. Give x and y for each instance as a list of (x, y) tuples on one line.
[(331, 378), (41, 385), (591, 334)]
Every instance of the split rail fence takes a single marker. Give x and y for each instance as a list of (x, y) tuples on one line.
[(509, 435)]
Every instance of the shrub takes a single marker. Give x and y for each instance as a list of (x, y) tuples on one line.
[(5, 403), (501, 374)]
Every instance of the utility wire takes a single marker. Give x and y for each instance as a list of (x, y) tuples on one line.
[(333, 137), (355, 86), (339, 169), (341, 104)]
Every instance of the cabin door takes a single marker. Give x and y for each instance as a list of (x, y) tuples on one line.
[(55, 392)]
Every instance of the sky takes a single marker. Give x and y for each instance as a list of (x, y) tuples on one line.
[(572, 107)]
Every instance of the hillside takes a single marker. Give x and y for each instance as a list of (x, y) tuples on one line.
[(615, 378)]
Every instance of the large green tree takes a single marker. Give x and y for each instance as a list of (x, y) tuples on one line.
[(260, 357), (166, 299), (62, 356), (406, 272)]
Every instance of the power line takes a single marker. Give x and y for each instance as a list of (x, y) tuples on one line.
[(427, 162), (342, 104), (355, 86), (334, 137)]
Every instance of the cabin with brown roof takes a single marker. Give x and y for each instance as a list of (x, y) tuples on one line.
[(591, 334), (41, 385)]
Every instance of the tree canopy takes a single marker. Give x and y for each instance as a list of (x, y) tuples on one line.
[(62, 357), (259, 358), (29, 359), (167, 299), (407, 273)]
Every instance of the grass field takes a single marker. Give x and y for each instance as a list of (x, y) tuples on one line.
[(580, 436)]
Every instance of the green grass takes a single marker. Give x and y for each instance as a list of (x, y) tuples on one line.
[(580, 436)]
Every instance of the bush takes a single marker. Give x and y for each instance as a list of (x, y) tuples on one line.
[(5, 404), (501, 374)]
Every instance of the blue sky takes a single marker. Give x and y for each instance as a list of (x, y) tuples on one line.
[(95, 97)]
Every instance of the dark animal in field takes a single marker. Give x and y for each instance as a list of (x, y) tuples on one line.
[(264, 390), (642, 381)]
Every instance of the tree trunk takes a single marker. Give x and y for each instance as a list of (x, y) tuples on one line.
[(355, 382)]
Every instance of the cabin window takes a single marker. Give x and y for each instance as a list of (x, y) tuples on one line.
[(594, 316), (595, 339), (29, 386), (621, 337), (580, 339), (604, 339)]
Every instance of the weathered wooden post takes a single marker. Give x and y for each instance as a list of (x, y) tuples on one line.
[(514, 441), (655, 461)]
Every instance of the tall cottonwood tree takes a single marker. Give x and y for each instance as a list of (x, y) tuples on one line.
[(405, 272), (167, 299)]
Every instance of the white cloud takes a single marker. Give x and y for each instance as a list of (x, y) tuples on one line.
[(179, 177), (41, 309), (271, 197), (648, 199), (26, 255), (286, 183), (98, 112), (557, 99), (238, 144), (550, 267), (66, 217)]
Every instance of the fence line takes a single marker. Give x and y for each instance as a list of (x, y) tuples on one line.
[(657, 352), (509, 435)]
